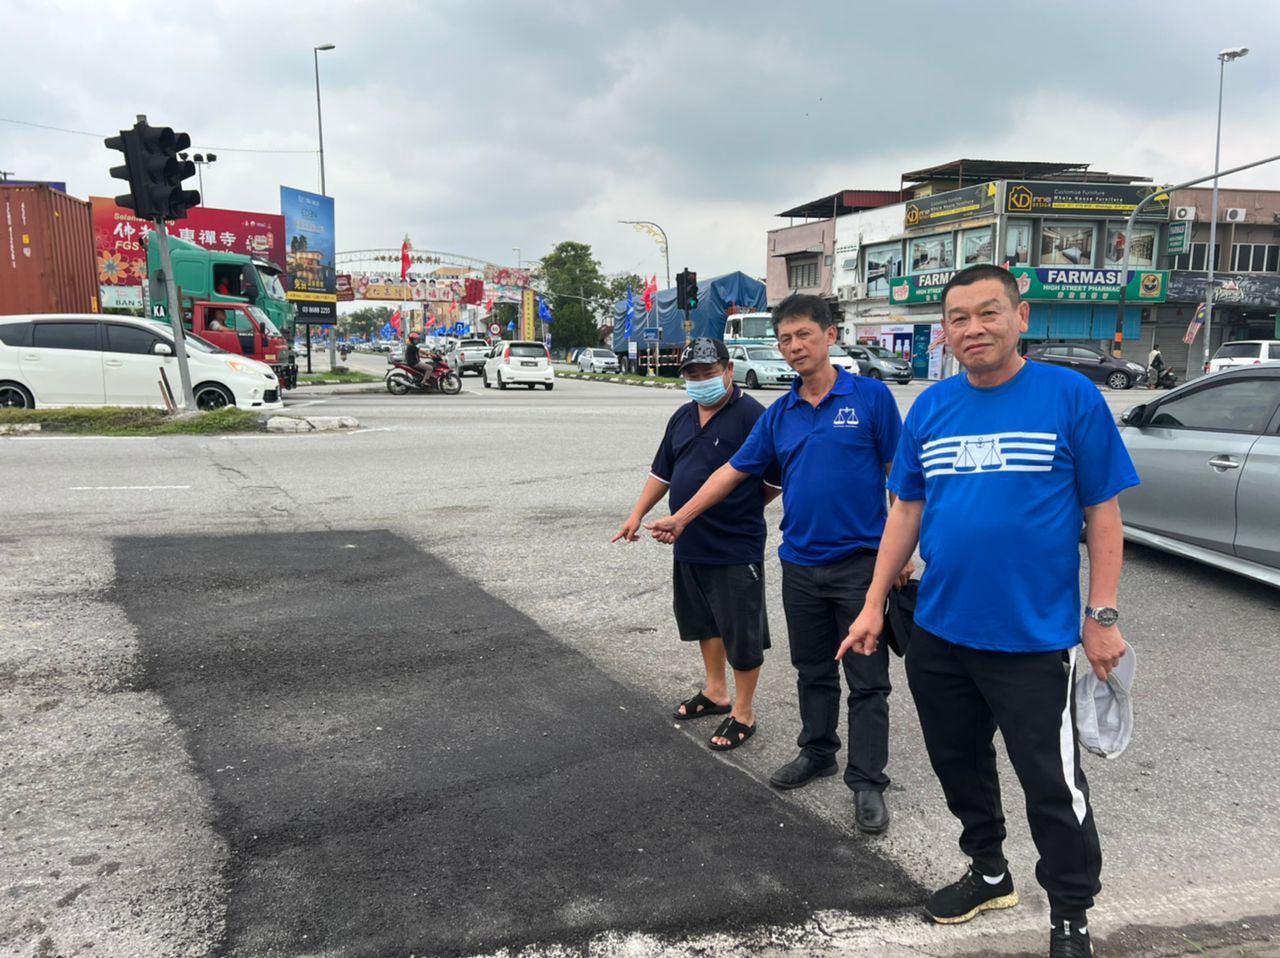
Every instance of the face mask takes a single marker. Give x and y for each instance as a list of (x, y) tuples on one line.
[(705, 392)]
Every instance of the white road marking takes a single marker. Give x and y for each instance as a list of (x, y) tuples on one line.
[(121, 488), (309, 402)]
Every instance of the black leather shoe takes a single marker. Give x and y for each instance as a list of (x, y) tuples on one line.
[(871, 814), (801, 771)]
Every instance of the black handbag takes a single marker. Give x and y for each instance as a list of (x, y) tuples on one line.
[(899, 616)]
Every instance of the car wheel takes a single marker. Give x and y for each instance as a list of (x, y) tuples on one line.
[(13, 396), (211, 396), (549, 386), (501, 384), (484, 378), (875, 373), (530, 385), (1119, 380), (753, 381)]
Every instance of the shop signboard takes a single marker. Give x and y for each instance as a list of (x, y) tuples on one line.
[(1038, 198), (311, 280), (1178, 238), (951, 206), (1045, 284)]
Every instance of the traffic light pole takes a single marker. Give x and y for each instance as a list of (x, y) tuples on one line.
[(188, 401)]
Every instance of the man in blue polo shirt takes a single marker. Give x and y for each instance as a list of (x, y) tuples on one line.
[(995, 473), (833, 436), (719, 571)]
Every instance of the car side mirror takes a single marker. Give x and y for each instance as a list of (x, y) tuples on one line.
[(162, 349), (1134, 415), (1102, 359)]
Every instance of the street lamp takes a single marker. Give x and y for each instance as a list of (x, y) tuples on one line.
[(645, 226), (201, 160), (1224, 57), (315, 52), (516, 250)]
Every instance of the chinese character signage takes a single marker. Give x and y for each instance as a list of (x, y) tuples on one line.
[(118, 244), (311, 280), (1035, 198), (1047, 284), (528, 315), (951, 206), (234, 231)]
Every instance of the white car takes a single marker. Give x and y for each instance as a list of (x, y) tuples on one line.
[(843, 360), (1244, 352), (467, 356), (598, 360), (92, 360), (519, 364)]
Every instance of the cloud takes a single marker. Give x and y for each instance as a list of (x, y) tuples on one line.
[(480, 126)]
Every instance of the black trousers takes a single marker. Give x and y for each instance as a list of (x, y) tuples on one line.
[(963, 695), (821, 603)]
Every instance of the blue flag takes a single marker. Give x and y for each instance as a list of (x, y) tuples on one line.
[(387, 332), (631, 309), (511, 326), (544, 311)]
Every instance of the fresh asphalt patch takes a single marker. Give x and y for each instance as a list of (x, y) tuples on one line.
[(402, 764)]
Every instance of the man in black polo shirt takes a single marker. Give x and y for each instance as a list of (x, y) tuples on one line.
[(719, 571)]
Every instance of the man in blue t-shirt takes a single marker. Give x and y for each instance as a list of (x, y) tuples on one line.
[(996, 470), (719, 563), (833, 436)]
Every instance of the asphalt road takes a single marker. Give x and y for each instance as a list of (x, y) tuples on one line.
[(133, 780)]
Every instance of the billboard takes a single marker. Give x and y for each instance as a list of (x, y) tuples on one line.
[(234, 231), (1046, 284), (118, 243), (950, 207), (311, 280), (1037, 198)]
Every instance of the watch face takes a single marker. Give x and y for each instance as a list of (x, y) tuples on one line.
[(1106, 616)]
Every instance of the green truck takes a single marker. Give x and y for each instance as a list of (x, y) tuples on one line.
[(209, 277)]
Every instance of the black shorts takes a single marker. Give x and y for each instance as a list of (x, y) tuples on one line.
[(724, 602)]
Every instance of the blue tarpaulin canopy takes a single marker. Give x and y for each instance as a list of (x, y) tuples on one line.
[(715, 296)]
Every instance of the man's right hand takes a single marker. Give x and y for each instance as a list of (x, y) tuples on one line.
[(629, 530), (666, 530), (864, 633)]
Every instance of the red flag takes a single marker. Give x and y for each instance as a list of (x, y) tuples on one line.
[(473, 291), (488, 306), (431, 321), (395, 321), (404, 260), (650, 291)]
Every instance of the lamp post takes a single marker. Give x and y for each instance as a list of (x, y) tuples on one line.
[(1225, 57), (648, 227), (201, 160), (333, 331)]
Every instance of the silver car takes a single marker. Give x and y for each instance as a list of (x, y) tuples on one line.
[(1208, 454), (881, 364), (759, 365), (597, 359)]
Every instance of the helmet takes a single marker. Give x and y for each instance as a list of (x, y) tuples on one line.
[(413, 337), (704, 349)]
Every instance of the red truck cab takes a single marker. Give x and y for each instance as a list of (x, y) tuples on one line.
[(244, 329)]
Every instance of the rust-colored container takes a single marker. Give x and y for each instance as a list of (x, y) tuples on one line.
[(46, 252)]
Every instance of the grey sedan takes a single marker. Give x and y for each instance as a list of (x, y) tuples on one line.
[(1208, 454), (759, 365)]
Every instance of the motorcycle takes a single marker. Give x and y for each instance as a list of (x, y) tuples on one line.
[(1166, 378), (402, 378)]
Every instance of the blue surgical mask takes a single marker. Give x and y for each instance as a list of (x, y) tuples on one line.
[(705, 392)]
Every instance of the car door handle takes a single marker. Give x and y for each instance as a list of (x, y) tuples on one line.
[(113, 362), (1223, 462)]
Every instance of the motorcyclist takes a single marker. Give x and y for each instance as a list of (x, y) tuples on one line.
[(1155, 366), (414, 357)]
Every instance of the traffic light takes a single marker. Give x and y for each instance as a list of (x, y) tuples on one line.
[(154, 172), (691, 289)]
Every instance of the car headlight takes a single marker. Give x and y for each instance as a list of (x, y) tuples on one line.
[(1136, 368), (240, 367)]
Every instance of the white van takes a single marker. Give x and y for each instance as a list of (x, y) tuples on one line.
[(1244, 352), (93, 360)]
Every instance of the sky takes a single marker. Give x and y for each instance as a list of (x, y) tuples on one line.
[(481, 126)]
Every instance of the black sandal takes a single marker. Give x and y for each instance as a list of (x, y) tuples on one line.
[(699, 707), (734, 731)]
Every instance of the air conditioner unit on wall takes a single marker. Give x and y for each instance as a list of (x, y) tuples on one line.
[(845, 293), (1187, 213), (1234, 214)]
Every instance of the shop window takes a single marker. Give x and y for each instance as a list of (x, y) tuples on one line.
[(1017, 243), (1067, 244), (975, 246), (929, 253), (884, 262), (1141, 242), (803, 274)]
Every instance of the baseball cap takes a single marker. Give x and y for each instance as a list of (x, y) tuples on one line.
[(704, 349), (1104, 710)]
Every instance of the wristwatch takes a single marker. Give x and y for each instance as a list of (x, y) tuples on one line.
[(1104, 616)]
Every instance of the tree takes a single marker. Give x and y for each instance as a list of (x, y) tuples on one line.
[(575, 290), (365, 322), (616, 291)]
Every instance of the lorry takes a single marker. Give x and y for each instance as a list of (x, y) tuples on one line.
[(46, 263), (659, 335), (209, 280)]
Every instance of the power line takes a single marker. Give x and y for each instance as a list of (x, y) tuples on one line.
[(220, 149)]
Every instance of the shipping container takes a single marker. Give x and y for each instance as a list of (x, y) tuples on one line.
[(46, 252)]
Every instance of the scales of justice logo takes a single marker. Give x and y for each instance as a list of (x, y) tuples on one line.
[(999, 452), (845, 416)]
